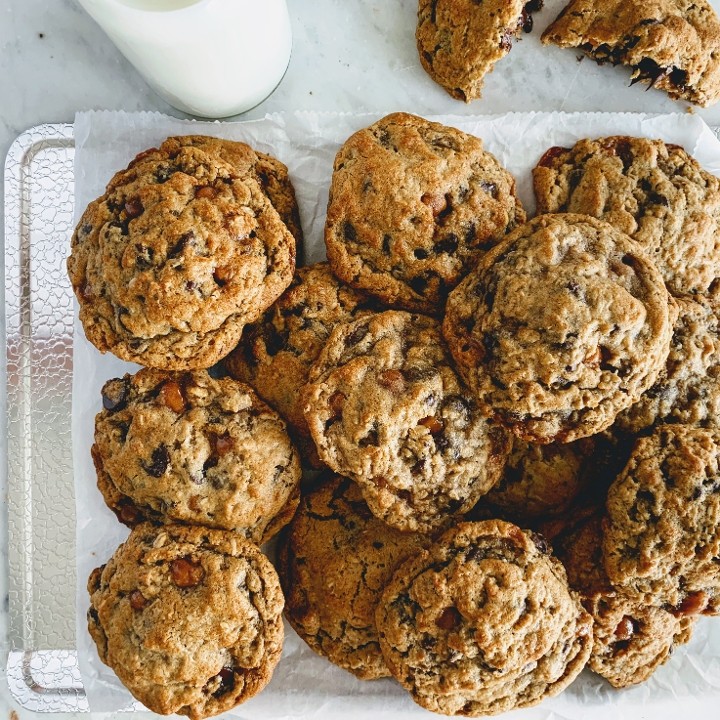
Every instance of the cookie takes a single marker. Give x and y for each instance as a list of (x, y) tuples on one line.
[(189, 619), (654, 192), (385, 408), (413, 206), (334, 561), (459, 41), (276, 353), (560, 328), (541, 481), (184, 447), (631, 639), (662, 534), (483, 622), (673, 45), (688, 389), (270, 173), (177, 255)]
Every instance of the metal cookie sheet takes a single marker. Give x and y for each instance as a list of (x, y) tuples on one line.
[(42, 668), (42, 665)]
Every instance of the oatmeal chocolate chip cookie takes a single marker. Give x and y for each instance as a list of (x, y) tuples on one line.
[(459, 41), (385, 408), (267, 170), (190, 619), (673, 45), (560, 327), (652, 191), (688, 389), (483, 622), (662, 535), (276, 353), (413, 206), (177, 255), (334, 562), (631, 639), (541, 481), (184, 447)]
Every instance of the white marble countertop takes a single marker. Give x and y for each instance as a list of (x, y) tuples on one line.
[(348, 55)]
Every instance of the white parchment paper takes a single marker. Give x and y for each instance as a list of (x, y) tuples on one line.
[(305, 685)]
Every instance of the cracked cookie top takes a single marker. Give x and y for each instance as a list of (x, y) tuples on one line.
[(654, 192), (178, 254), (386, 408), (276, 353), (560, 327), (413, 206), (190, 619), (673, 45), (184, 447), (334, 561), (459, 41), (631, 639), (662, 534), (483, 622)]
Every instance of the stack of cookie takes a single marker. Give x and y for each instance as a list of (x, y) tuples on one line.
[(190, 243), (515, 421)]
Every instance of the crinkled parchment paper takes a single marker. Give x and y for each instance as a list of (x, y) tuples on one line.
[(305, 685)]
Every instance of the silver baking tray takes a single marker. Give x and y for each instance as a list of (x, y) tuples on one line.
[(42, 666)]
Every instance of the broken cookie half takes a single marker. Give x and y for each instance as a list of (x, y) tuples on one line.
[(459, 41), (673, 45)]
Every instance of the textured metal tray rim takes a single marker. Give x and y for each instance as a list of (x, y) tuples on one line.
[(25, 666)]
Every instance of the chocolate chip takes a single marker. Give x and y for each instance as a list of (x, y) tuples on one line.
[(349, 232), (143, 257), (371, 438), (163, 174), (447, 245), (420, 254), (419, 284), (181, 244), (160, 461), (275, 340), (386, 244), (227, 682), (540, 543), (115, 394), (356, 335)]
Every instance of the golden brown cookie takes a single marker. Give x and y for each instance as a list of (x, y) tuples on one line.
[(276, 353), (673, 45), (483, 622), (189, 619), (386, 408), (662, 534), (178, 254), (688, 388), (541, 481), (334, 561), (560, 327), (655, 192), (413, 205), (631, 639), (459, 41), (184, 447)]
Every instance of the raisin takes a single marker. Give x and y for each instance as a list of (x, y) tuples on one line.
[(625, 629), (449, 619), (133, 208), (181, 244), (349, 232), (393, 380), (433, 424), (337, 402), (137, 600), (436, 202), (185, 573)]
